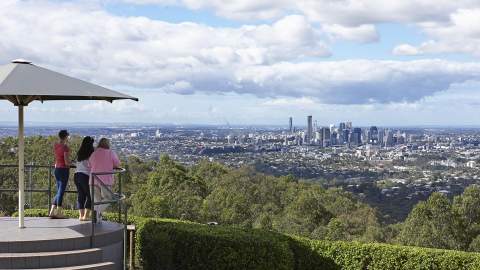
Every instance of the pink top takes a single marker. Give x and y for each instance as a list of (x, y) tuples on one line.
[(101, 161), (59, 151)]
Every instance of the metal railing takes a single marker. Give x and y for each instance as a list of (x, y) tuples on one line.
[(117, 198), (29, 168)]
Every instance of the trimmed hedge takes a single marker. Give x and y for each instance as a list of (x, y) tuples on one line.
[(172, 244)]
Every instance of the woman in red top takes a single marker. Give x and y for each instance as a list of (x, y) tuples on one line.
[(62, 171)]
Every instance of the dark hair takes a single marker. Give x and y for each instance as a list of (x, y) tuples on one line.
[(63, 134), (86, 149)]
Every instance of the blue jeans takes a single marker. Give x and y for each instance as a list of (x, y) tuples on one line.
[(61, 175), (84, 200)]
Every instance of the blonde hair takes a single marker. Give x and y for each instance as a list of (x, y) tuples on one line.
[(104, 143)]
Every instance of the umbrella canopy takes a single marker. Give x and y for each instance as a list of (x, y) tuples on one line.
[(21, 82)]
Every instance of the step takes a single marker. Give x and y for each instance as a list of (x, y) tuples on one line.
[(42, 260), (96, 266)]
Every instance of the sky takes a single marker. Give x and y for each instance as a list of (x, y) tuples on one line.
[(254, 62)]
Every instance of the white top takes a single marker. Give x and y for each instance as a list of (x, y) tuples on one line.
[(83, 167)]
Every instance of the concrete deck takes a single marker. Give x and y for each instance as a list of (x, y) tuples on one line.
[(37, 229), (45, 243)]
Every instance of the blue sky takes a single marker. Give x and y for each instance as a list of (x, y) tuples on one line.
[(255, 62)]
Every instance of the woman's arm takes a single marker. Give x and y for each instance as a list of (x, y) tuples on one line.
[(66, 156), (116, 161)]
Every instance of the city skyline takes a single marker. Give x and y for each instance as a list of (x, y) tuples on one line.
[(254, 63)]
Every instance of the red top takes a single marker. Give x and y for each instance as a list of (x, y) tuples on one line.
[(60, 150)]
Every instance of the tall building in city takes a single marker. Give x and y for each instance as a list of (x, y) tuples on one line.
[(373, 135), (356, 136), (332, 128), (334, 138), (366, 135), (348, 125), (381, 137), (326, 136), (340, 138), (318, 137), (341, 126), (309, 135), (346, 135), (389, 138), (290, 124)]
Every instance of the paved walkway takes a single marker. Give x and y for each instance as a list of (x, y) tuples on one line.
[(37, 229)]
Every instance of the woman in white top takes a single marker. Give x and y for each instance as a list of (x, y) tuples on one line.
[(81, 179)]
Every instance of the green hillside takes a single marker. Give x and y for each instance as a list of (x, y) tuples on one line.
[(173, 244)]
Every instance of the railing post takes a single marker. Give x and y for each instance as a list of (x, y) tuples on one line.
[(119, 192), (124, 238), (30, 184), (131, 247), (49, 187), (94, 216)]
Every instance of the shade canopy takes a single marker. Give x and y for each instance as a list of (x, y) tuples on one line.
[(21, 82)]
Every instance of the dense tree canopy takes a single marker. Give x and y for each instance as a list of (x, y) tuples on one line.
[(440, 223), (244, 197)]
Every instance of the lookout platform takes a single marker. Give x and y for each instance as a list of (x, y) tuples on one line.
[(60, 244)]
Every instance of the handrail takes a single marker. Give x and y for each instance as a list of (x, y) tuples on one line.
[(30, 166), (122, 208), (119, 200)]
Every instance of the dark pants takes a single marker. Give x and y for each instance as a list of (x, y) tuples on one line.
[(84, 201), (61, 175)]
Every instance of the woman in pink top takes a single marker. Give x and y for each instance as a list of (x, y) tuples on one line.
[(103, 160), (62, 171)]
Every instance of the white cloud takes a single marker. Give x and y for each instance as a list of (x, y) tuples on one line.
[(120, 106), (269, 60), (356, 81), (344, 12), (405, 49), (460, 35), (141, 52), (358, 12), (236, 9), (452, 25), (290, 102), (362, 33)]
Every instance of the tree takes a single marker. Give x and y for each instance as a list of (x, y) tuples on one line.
[(170, 192), (433, 224), (466, 206)]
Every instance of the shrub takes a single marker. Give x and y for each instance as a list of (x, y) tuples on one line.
[(172, 244), (355, 255)]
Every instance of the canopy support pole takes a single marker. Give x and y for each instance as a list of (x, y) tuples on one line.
[(21, 168)]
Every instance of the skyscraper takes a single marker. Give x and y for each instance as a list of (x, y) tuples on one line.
[(381, 137), (309, 129), (356, 137), (326, 136), (334, 138), (373, 135), (346, 136), (348, 125), (332, 128), (389, 138), (290, 126)]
